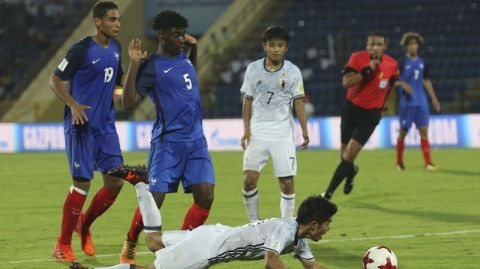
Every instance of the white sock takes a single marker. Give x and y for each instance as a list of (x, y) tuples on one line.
[(250, 199), (287, 204), (118, 266), (152, 220)]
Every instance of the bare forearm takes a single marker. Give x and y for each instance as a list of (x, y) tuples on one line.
[(247, 114), (59, 88), (301, 115), (429, 88), (129, 92), (350, 79)]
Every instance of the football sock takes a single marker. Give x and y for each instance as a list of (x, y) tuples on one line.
[(250, 199), (425, 146), (400, 148), (100, 203), (287, 204), (195, 217), (72, 208), (344, 169), (151, 217), (119, 266), (136, 227)]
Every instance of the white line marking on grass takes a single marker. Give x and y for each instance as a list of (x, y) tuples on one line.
[(401, 236), (334, 240)]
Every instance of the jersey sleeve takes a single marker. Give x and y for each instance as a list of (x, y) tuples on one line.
[(297, 87), (70, 64), (278, 239), (352, 66), (247, 86), (146, 77), (303, 251)]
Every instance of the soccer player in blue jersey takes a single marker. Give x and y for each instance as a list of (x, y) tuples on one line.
[(92, 68), (414, 85), (178, 150)]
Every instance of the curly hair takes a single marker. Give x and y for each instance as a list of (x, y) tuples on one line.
[(410, 36), (168, 19)]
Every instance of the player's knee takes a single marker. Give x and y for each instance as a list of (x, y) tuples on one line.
[(114, 186), (205, 201), (250, 181)]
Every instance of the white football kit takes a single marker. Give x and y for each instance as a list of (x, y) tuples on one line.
[(271, 124), (211, 244)]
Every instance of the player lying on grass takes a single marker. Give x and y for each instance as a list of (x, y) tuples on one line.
[(211, 244)]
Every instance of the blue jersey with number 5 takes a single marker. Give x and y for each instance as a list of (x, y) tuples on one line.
[(171, 84), (413, 71), (92, 72)]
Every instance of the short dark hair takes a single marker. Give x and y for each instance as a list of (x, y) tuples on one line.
[(101, 7), (379, 34), (275, 32), (169, 19), (411, 36), (315, 208)]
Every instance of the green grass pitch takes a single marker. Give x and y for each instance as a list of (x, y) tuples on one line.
[(431, 220)]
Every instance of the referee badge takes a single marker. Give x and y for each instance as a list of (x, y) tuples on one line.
[(383, 83)]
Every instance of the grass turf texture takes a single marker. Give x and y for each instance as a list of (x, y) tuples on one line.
[(384, 204)]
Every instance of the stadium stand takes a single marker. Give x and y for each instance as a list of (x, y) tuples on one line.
[(326, 32), (31, 31)]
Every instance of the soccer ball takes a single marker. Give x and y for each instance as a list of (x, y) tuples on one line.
[(380, 257)]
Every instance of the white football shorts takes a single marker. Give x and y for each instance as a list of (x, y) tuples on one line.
[(282, 152)]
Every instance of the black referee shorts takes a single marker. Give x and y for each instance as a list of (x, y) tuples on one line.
[(358, 123)]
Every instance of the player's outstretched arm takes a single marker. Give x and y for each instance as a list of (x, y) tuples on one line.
[(431, 92), (302, 118), (311, 264), (246, 115), (272, 261), (129, 96), (78, 110)]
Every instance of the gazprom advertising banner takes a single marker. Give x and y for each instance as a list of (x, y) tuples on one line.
[(225, 134)]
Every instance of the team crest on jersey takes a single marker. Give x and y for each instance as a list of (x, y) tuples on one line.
[(117, 56), (283, 81)]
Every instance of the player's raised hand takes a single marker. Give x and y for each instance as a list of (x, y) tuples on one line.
[(190, 40), (245, 139), (79, 117), (374, 60), (135, 50), (306, 141)]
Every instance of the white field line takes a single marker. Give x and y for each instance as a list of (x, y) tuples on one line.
[(326, 241)]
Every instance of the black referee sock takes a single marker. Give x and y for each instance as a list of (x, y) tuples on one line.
[(344, 169)]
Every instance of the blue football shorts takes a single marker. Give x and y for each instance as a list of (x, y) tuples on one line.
[(418, 115), (186, 161), (87, 153)]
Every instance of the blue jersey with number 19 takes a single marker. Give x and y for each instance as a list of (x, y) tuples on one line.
[(92, 72), (172, 85), (413, 71)]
